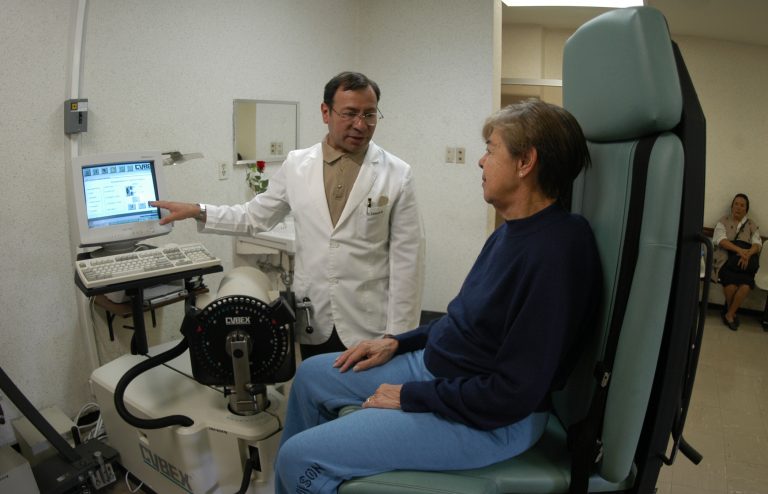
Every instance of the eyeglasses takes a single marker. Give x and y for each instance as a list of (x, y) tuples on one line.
[(370, 119)]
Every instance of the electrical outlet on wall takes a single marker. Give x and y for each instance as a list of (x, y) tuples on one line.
[(450, 155), (223, 171), (455, 155)]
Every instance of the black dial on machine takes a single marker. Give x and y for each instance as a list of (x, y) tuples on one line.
[(267, 328)]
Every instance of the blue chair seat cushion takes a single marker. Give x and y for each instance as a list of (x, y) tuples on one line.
[(545, 468)]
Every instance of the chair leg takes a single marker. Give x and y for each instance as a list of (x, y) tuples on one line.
[(764, 321)]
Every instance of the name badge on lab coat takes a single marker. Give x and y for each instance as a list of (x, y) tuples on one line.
[(378, 208)]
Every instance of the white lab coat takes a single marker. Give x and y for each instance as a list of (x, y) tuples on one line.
[(365, 275)]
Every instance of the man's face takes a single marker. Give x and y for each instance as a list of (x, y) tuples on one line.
[(353, 135)]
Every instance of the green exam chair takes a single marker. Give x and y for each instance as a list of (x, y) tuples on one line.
[(624, 80)]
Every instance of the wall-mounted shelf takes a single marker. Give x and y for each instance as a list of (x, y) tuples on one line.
[(280, 238), (523, 81)]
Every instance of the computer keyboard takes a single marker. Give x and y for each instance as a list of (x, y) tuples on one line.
[(119, 268)]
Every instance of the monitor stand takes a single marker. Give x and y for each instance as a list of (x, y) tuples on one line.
[(135, 291), (119, 248)]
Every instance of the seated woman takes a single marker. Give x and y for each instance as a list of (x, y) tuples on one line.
[(471, 388), (737, 280)]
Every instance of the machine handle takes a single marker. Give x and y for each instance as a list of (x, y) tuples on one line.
[(306, 306), (134, 372)]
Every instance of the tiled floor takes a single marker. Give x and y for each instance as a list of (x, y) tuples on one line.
[(728, 418)]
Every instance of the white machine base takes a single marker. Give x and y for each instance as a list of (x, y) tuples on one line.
[(207, 457)]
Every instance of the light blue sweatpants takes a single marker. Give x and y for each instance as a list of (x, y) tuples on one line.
[(319, 451)]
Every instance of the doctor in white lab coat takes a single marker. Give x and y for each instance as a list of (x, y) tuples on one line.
[(359, 236)]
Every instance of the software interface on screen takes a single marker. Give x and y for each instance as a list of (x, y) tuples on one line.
[(119, 193)]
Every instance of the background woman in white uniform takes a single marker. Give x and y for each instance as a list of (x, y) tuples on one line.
[(737, 280)]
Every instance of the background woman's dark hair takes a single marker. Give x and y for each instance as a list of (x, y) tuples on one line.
[(743, 196), (348, 81), (559, 141)]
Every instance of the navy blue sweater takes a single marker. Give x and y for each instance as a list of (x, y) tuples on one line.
[(533, 290)]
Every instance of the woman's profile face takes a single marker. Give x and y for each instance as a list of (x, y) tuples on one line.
[(500, 177), (739, 208)]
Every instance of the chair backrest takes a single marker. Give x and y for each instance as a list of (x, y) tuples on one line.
[(621, 82), (624, 81)]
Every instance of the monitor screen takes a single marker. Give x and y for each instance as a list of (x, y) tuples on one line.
[(111, 195), (117, 193)]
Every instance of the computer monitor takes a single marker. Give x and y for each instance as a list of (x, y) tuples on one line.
[(110, 195)]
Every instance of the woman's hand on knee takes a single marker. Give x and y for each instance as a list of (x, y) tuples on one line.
[(367, 354), (386, 396)]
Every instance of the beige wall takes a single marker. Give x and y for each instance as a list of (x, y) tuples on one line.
[(163, 75), (438, 96), (731, 81)]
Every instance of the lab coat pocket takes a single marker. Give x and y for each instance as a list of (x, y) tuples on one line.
[(373, 223), (373, 303)]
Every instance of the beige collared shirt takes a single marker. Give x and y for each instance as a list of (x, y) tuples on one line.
[(340, 171)]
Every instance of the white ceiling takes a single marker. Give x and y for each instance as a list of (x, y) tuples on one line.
[(734, 20)]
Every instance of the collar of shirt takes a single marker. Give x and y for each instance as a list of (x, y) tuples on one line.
[(332, 155)]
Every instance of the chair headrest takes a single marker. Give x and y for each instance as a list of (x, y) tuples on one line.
[(619, 76)]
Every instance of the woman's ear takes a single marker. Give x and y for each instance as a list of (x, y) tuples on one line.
[(528, 162)]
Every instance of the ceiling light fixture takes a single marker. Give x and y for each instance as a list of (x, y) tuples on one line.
[(612, 4)]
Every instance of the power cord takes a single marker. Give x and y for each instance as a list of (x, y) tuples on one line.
[(93, 430), (128, 483)]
